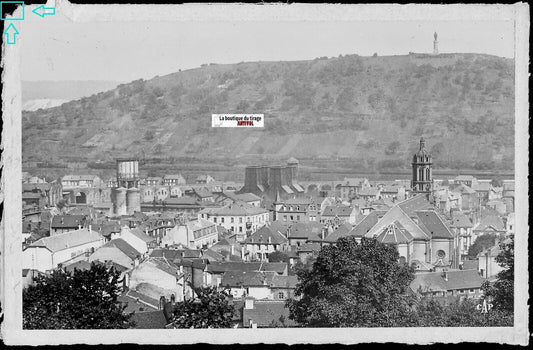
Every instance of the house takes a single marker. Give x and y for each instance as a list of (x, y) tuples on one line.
[(81, 181), (307, 251), (483, 190), (136, 238), (463, 229), (172, 180), (488, 267), (67, 223), (230, 249), (215, 270), (469, 198), (299, 209), (393, 191), (203, 194), (457, 283), (369, 194), (265, 313), (300, 233), (119, 252), (49, 193), (467, 180), (154, 181), (490, 224), (239, 218), (159, 277), (49, 252), (263, 242), (227, 197), (508, 190), (341, 231), (259, 284), (194, 234), (339, 214), (350, 187), (204, 179), (498, 205)]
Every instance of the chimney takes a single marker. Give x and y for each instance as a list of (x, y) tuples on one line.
[(232, 249), (249, 303), (269, 239)]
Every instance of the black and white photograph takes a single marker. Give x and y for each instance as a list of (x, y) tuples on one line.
[(275, 173)]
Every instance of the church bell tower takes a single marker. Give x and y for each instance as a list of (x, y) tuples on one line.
[(422, 181)]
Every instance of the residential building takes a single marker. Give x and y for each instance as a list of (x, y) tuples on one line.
[(467, 180), (448, 284), (463, 229), (196, 234), (227, 197), (488, 267), (204, 179), (172, 180), (263, 242), (119, 252), (67, 223), (350, 187), (300, 209), (339, 214), (265, 314), (159, 277), (240, 218), (369, 194), (49, 252)]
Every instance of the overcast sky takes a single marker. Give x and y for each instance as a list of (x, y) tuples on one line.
[(55, 48)]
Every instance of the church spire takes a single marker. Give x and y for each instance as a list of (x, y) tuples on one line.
[(422, 143)]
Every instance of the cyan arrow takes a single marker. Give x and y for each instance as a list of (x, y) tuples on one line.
[(44, 11), (11, 33)]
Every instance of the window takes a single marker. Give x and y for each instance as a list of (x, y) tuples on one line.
[(240, 228), (232, 220), (215, 219), (222, 220), (297, 217), (284, 217), (281, 295), (240, 220)]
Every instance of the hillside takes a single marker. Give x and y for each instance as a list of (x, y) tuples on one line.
[(63, 89), (348, 113)]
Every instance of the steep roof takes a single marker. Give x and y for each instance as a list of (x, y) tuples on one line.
[(461, 220), (482, 187), (309, 247), (342, 231), (221, 267), (247, 278), (397, 214), (489, 221), (457, 279), (149, 320), (464, 189), (266, 235), (66, 240), (433, 225), (235, 209), (418, 202), (67, 221), (338, 210), (265, 313), (394, 234), (307, 230), (124, 247), (141, 235), (366, 224), (369, 191)]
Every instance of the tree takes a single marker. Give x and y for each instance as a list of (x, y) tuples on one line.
[(459, 313), (502, 291), (83, 299), (497, 182), (481, 243), (208, 309), (278, 256), (354, 284)]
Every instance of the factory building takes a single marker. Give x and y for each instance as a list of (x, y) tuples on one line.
[(271, 180), (126, 196)]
